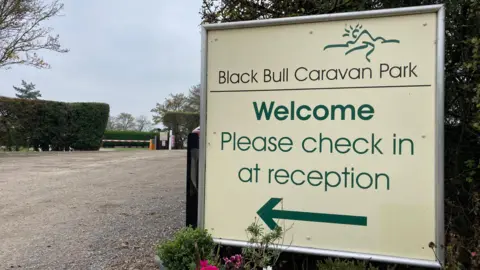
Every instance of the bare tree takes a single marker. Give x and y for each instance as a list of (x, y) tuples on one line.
[(143, 123), (111, 124), (193, 98), (125, 121), (22, 34)]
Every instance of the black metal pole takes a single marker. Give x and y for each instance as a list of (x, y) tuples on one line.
[(192, 180)]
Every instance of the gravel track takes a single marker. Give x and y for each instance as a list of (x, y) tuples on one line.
[(89, 210)]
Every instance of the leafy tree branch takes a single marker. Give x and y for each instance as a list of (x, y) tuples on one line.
[(22, 34)]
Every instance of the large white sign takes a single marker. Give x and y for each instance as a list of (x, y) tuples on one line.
[(331, 125)]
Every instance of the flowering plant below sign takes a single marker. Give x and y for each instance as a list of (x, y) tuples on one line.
[(233, 262), (204, 265)]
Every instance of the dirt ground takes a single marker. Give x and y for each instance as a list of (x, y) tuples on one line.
[(92, 210)]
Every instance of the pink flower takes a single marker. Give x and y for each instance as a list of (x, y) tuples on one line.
[(474, 254), (234, 261), (205, 266)]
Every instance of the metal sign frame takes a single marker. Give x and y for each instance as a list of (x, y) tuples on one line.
[(439, 133)]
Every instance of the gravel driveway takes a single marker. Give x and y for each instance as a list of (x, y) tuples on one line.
[(91, 210)]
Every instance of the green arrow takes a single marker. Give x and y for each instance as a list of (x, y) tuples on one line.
[(267, 214)]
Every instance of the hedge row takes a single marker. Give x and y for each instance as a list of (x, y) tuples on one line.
[(128, 135), (45, 124)]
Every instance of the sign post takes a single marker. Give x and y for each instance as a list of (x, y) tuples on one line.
[(331, 125), (164, 138)]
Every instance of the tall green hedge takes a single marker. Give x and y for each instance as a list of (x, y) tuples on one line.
[(88, 123), (127, 135), (45, 124)]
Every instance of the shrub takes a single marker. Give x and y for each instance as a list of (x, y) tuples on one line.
[(263, 254), (87, 125), (193, 249), (17, 122), (53, 120), (127, 135), (186, 249), (59, 125)]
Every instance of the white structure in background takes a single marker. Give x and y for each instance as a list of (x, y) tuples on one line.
[(172, 141)]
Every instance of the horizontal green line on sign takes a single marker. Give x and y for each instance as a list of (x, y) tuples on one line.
[(326, 88)]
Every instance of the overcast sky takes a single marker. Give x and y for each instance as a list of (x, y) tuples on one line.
[(129, 54)]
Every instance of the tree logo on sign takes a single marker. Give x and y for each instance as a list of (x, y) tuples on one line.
[(367, 43)]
